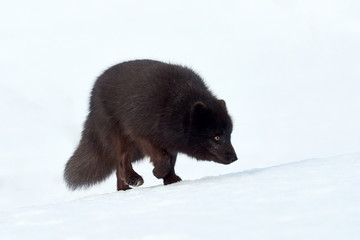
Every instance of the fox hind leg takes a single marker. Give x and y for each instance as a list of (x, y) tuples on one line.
[(121, 185), (127, 152), (125, 173)]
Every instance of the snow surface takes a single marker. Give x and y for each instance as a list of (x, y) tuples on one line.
[(288, 70), (311, 199)]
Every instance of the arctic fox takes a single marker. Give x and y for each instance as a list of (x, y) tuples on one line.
[(148, 108)]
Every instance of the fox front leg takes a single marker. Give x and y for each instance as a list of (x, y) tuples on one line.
[(164, 164), (171, 177)]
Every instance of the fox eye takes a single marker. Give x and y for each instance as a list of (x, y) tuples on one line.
[(217, 138)]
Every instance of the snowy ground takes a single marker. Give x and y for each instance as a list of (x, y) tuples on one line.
[(311, 199), (288, 70)]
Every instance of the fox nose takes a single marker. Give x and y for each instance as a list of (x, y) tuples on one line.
[(231, 154), (234, 159)]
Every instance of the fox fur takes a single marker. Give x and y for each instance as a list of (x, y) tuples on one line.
[(148, 108)]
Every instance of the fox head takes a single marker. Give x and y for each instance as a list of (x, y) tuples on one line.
[(210, 132)]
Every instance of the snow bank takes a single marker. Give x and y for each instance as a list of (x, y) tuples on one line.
[(311, 199)]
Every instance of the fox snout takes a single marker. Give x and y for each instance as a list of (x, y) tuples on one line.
[(225, 154), (230, 157), (233, 159)]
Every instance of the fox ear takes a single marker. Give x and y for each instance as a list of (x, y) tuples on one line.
[(198, 111), (222, 101), (198, 107)]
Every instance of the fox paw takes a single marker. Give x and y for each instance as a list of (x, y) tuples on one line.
[(123, 187), (172, 179), (162, 167), (136, 181), (161, 171)]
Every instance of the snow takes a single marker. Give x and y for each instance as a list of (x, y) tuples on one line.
[(288, 70), (311, 199)]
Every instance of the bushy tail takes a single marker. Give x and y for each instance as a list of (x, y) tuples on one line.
[(89, 164)]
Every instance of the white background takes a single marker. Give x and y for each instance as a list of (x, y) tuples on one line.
[(288, 70)]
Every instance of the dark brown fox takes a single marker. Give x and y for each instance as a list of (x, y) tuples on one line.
[(148, 108)]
